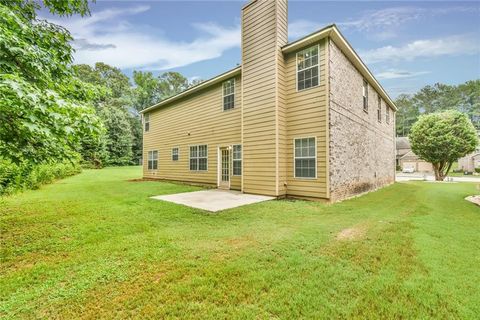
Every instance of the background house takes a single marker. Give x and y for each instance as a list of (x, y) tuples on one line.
[(406, 158)]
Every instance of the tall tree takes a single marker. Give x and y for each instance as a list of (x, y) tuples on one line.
[(42, 117)]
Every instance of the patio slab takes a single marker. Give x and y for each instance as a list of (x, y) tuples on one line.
[(213, 200)]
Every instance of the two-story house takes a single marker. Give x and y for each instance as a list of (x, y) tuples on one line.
[(302, 119)]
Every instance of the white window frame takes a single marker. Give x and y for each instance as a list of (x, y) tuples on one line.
[(231, 94), (238, 160), (150, 158), (178, 153), (317, 65), (146, 122), (197, 157), (294, 158), (365, 86), (379, 108)]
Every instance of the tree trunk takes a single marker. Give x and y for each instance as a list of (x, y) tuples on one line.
[(438, 172)]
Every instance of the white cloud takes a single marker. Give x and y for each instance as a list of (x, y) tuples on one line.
[(381, 24), (301, 28), (398, 74), (106, 36), (446, 46)]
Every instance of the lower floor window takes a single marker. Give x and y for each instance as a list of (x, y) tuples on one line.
[(237, 160), (305, 158), (174, 154), (153, 160), (198, 158)]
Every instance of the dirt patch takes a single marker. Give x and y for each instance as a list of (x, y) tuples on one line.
[(353, 233), (474, 199), (142, 180)]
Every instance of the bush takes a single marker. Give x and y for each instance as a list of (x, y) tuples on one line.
[(477, 170), (14, 178)]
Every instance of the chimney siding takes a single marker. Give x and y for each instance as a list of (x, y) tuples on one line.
[(264, 32)]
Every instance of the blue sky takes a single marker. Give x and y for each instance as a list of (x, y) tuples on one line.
[(406, 44)]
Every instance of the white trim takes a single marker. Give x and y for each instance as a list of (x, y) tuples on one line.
[(144, 122), (178, 154), (316, 162), (189, 157), (318, 68), (223, 95), (241, 160), (148, 160), (219, 165)]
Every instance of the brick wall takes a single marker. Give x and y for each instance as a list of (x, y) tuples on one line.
[(362, 149)]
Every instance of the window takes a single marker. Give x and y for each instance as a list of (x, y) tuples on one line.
[(307, 68), (387, 114), (305, 158), (198, 158), (229, 94), (175, 154), (146, 122), (237, 160), (152, 160), (365, 95), (379, 109)]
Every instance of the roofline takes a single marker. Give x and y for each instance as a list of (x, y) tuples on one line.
[(200, 86), (335, 34), (329, 31)]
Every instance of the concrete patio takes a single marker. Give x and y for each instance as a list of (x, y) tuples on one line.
[(213, 200)]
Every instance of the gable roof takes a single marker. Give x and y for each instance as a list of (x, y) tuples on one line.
[(329, 31)]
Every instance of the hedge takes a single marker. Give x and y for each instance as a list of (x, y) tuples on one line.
[(15, 178)]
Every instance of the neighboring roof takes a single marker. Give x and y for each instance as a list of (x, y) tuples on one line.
[(411, 156), (329, 31), (402, 143), (204, 84)]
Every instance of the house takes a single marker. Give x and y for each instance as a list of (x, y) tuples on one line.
[(406, 158), (470, 162), (303, 119)]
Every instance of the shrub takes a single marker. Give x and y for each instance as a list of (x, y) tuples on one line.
[(477, 170), (14, 178)]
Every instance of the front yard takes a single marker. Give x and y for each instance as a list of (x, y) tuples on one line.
[(96, 246)]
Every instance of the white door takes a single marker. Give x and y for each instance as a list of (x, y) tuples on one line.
[(224, 168)]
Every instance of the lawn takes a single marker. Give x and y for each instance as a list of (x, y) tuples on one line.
[(95, 246)]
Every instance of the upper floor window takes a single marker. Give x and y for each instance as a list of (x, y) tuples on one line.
[(153, 160), (146, 122), (229, 94), (198, 158), (387, 114), (237, 160), (307, 68), (365, 95), (305, 158), (379, 109), (175, 154)]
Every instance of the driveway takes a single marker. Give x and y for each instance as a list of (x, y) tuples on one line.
[(431, 177), (213, 200)]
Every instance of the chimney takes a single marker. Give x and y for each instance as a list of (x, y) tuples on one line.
[(264, 32)]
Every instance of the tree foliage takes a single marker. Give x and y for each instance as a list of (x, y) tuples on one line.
[(44, 109), (443, 138), (439, 97)]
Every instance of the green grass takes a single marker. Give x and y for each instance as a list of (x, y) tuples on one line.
[(95, 246)]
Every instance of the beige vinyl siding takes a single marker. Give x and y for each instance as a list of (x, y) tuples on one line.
[(263, 34), (306, 116), (195, 120)]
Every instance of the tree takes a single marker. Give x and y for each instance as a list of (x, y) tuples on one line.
[(147, 90), (171, 83), (439, 97), (43, 113), (443, 138), (119, 136)]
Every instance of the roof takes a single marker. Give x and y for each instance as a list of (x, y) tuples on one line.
[(402, 143), (329, 31), (411, 156), (200, 86)]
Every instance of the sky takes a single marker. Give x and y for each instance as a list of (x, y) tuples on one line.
[(406, 45)]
